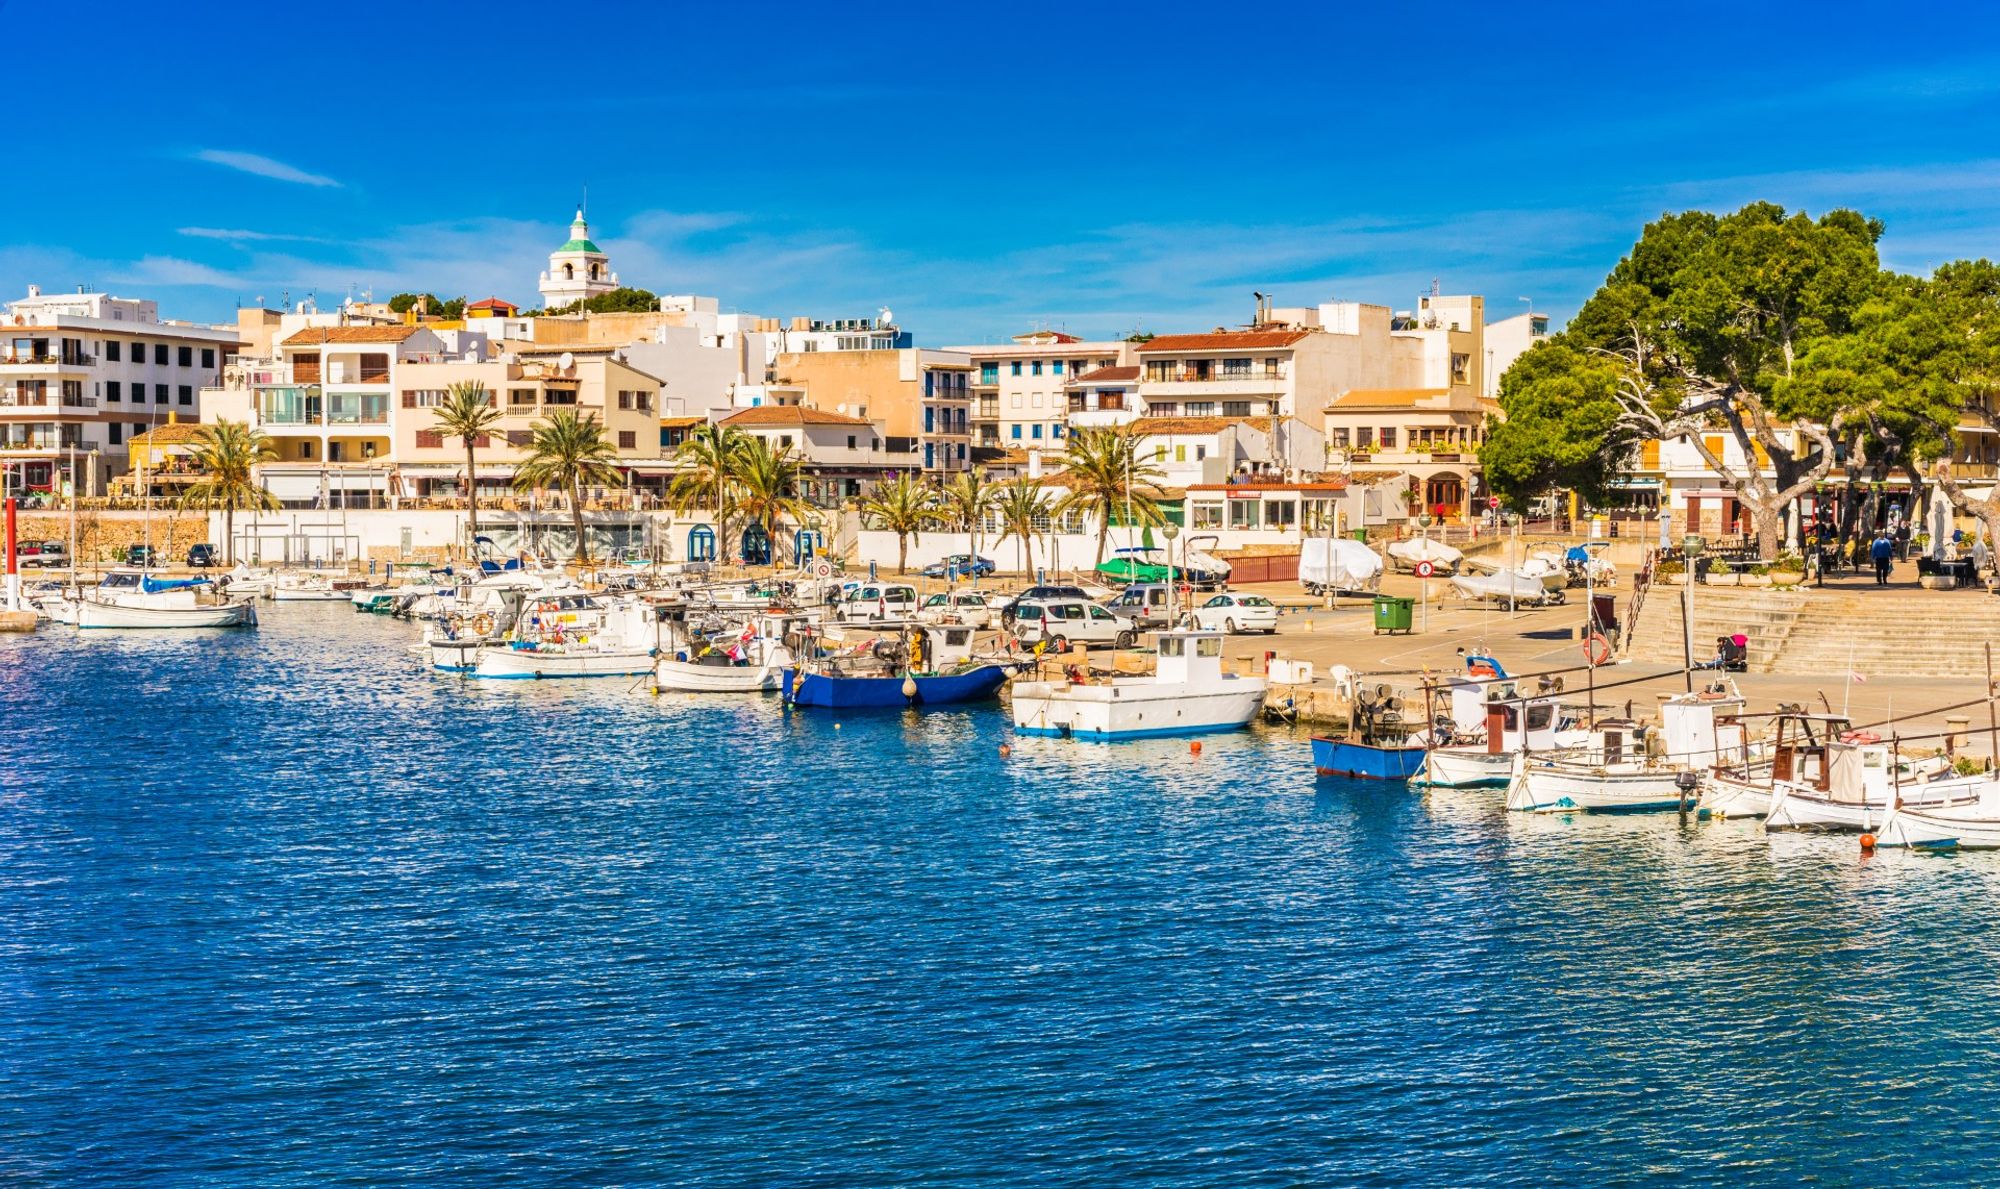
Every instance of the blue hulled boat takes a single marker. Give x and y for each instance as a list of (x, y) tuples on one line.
[(1366, 761), (919, 665)]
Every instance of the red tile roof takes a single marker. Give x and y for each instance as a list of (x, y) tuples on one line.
[(351, 334), (492, 303), (1038, 337), (1108, 375), (788, 415), (1224, 340)]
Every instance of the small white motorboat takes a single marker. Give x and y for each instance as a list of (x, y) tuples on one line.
[(566, 643), (1972, 824), (1405, 555), (1503, 586), (307, 588), (1489, 720), (1187, 694)]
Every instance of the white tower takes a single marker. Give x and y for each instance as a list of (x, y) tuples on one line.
[(577, 270)]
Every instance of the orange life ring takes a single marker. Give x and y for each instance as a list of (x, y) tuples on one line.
[(1596, 649), (1482, 669)]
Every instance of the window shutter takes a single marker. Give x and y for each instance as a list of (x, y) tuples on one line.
[(409, 399)]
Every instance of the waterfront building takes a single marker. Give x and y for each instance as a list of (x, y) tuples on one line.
[(1431, 435), (1104, 398), (1508, 340), (841, 456), (1189, 450), (1021, 394), (922, 397), (81, 373)]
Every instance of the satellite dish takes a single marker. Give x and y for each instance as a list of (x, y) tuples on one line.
[(565, 361), (840, 409)]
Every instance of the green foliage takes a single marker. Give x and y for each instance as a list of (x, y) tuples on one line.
[(617, 301), (1562, 427), (227, 454), (468, 413), (402, 303), (1105, 474), (766, 482), (905, 505), (567, 452)]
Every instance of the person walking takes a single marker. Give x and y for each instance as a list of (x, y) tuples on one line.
[(1883, 551)]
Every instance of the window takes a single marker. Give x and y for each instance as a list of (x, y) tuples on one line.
[(1180, 453), (1016, 435), (850, 441), (1035, 368), (520, 437), (1035, 432), (111, 350), (208, 356), (1243, 514), (628, 440), (1055, 366), (1160, 453), (305, 448), (559, 396), (1235, 369), (1207, 646), (1281, 513), (186, 357), (1388, 437), (1201, 408), (160, 353), (117, 431), (186, 394), (521, 396), (1338, 437), (111, 390), (624, 400), (1461, 368), (1200, 452), (160, 390), (1056, 430), (1236, 408), (1017, 367), (1364, 438), (429, 439), (989, 373), (374, 368)]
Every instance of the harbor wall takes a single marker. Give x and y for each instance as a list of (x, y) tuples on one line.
[(104, 536)]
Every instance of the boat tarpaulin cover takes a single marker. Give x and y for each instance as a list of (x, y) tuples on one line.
[(156, 585)]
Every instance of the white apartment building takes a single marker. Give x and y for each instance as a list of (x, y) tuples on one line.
[(1191, 450), (1508, 340), (1020, 389), (80, 373)]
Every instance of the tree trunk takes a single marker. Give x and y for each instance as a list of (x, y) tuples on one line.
[(471, 500), (576, 518), (902, 553), (228, 537), (1768, 520)]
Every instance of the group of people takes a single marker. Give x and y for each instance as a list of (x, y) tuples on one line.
[(1825, 551)]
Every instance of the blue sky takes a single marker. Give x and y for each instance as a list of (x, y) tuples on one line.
[(1099, 168)]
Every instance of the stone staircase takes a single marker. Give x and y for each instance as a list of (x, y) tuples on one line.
[(1768, 617), (1899, 632)]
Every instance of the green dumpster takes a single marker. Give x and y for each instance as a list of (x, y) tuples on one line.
[(1359, 534), (1392, 614)]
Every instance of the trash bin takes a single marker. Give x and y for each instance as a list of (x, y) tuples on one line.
[(1392, 614), (1359, 534)]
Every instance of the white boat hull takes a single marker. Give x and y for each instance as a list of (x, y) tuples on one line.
[(94, 614), (1465, 767), (500, 661), (1921, 829), (1726, 796), (1561, 789), (718, 679), (293, 594), (1792, 809), (1138, 710)]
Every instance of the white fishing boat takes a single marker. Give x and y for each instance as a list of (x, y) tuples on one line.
[(134, 599), (750, 660), (1187, 694), (1628, 769), (246, 580), (307, 588), (563, 642), (1857, 781), (1405, 555), (1972, 824), (1490, 719)]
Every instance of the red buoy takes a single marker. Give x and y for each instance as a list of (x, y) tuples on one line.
[(1867, 842), (1194, 748), (1005, 751)]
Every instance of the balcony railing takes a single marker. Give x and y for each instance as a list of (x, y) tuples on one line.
[(356, 417), (15, 400), (1975, 470), (1208, 376)]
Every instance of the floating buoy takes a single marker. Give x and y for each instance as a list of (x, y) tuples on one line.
[(1867, 842), (1005, 751), (909, 687), (1194, 748), (836, 726)]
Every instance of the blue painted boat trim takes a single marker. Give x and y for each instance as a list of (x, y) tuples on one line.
[(1118, 736), (886, 693)]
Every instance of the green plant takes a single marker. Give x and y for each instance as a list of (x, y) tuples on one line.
[(468, 414), (1967, 766), (1670, 567), (567, 452), (227, 454)]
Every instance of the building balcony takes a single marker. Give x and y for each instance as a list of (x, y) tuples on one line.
[(1185, 386), (45, 359), (1102, 418), (356, 417), (1975, 470)]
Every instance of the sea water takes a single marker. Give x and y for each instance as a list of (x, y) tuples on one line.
[(283, 908)]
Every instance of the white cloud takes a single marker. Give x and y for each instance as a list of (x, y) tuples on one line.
[(263, 167), (240, 235)]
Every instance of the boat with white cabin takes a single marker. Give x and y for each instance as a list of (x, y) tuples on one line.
[(1628, 768), (1187, 694), (136, 599)]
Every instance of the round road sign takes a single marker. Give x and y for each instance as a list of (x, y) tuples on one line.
[(1425, 569), (823, 569)]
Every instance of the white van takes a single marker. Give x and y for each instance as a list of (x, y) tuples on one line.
[(874, 601), (1071, 621)]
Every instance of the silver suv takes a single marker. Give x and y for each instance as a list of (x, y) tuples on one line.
[(1071, 621)]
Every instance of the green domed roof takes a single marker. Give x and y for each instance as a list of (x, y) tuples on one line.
[(580, 245)]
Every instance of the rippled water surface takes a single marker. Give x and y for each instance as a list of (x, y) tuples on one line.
[(280, 908)]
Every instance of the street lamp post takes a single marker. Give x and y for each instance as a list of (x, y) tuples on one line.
[(1170, 531)]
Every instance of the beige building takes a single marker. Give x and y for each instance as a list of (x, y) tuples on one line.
[(1021, 389), (921, 397), (841, 456), (1432, 435)]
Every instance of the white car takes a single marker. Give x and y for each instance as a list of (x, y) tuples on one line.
[(874, 601), (964, 606), (1237, 613), (1071, 621)]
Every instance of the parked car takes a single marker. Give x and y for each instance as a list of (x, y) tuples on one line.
[(963, 606), (874, 601), (41, 553), (1039, 592), (202, 555), (962, 565), (1063, 622), (1238, 613), (142, 555), (1145, 603)]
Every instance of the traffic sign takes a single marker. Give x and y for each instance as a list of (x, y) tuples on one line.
[(823, 569), (1425, 569)]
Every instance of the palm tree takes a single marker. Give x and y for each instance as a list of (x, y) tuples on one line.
[(903, 506), (706, 475), (567, 452), (468, 414), (966, 502), (1019, 505), (1105, 475), (227, 454), (767, 481)]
